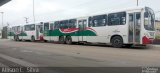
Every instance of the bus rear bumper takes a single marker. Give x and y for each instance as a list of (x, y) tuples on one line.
[(146, 40)]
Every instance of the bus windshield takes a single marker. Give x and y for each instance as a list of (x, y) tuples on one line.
[(149, 19)]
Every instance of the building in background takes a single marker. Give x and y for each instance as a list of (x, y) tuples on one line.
[(3, 33), (157, 29)]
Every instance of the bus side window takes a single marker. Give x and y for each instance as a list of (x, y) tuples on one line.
[(21, 29), (41, 29), (72, 23), (64, 24), (90, 23), (52, 26), (32, 27), (117, 18), (98, 21), (26, 28), (18, 29), (46, 26), (56, 25)]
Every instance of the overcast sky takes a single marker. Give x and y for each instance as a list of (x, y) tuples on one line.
[(50, 10)]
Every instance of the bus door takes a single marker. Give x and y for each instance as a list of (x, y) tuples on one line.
[(134, 27), (82, 24), (39, 31)]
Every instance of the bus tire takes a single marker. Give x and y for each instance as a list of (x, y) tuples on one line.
[(68, 40), (32, 39), (117, 42), (61, 40), (45, 41)]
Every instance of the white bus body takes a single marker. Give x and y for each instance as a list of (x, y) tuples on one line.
[(127, 27), (31, 32)]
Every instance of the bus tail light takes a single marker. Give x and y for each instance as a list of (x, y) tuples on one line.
[(41, 38), (146, 40)]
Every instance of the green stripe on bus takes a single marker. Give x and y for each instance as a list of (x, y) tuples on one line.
[(57, 32), (13, 34)]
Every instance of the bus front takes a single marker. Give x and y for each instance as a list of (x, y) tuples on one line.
[(149, 26)]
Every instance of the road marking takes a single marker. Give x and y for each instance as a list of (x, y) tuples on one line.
[(17, 61)]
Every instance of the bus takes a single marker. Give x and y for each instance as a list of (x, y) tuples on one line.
[(30, 32), (135, 26), (13, 32)]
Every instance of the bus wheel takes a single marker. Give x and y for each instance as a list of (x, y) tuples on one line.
[(117, 42), (61, 40), (45, 41), (68, 40), (32, 39)]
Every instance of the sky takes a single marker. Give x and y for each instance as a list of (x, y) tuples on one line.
[(50, 10)]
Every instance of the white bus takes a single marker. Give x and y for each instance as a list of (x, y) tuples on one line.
[(30, 32), (13, 32), (128, 27)]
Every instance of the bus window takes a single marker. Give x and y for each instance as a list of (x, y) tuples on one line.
[(56, 25), (40, 28), (64, 24), (18, 29), (21, 29), (117, 18), (32, 27), (52, 26), (26, 28), (90, 23), (149, 18), (98, 21), (72, 23), (84, 23), (138, 19), (13, 29), (29, 27), (46, 26)]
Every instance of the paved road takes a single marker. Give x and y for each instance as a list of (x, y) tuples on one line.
[(25, 54)]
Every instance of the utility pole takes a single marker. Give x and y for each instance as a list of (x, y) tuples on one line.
[(26, 19), (137, 2), (34, 19), (2, 18)]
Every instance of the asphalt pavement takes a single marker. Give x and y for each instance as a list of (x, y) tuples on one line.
[(61, 58)]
